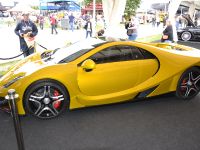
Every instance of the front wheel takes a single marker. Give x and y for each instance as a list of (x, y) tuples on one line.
[(186, 36), (189, 84), (46, 99)]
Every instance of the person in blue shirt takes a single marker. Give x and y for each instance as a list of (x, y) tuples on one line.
[(26, 28), (71, 21)]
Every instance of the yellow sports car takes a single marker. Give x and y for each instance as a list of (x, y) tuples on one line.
[(95, 72)]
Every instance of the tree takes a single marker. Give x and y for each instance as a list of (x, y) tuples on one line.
[(131, 6), (35, 7), (90, 1)]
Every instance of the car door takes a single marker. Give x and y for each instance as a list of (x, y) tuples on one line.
[(195, 31), (117, 68)]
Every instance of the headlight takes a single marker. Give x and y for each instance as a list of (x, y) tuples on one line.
[(12, 81)]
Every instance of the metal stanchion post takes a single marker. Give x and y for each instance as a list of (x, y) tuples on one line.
[(11, 97)]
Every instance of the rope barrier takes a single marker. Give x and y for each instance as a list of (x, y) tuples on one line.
[(21, 53)]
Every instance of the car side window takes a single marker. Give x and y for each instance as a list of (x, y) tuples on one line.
[(117, 53), (147, 55), (136, 54), (111, 54)]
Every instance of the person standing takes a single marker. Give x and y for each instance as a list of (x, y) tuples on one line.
[(53, 23), (167, 33), (26, 29), (9, 20), (153, 21), (41, 21), (132, 28), (88, 28), (71, 21), (157, 19)]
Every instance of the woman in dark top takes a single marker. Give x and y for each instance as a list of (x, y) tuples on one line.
[(167, 33)]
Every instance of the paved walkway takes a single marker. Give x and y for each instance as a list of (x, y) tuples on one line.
[(10, 42)]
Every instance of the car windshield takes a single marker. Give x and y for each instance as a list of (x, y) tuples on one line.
[(75, 50)]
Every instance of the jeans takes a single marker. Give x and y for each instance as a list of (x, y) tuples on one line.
[(71, 26), (28, 51), (167, 41), (132, 37), (24, 48), (53, 27), (41, 26), (88, 32)]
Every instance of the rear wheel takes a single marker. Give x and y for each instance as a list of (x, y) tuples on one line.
[(46, 99), (186, 36), (189, 84)]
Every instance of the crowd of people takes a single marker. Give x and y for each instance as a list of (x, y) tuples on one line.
[(73, 21), (27, 26)]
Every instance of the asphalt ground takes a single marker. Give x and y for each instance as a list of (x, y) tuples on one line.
[(195, 44), (160, 123)]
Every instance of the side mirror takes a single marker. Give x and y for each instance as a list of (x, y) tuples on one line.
[(88, 65)]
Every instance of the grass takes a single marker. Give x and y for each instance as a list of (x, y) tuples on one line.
[(150, 38), (147, 39)]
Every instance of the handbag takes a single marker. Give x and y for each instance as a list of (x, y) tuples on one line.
[(165, 37), (130, 32)]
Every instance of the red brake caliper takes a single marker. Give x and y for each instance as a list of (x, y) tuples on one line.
[(58, 103), (183, 82)]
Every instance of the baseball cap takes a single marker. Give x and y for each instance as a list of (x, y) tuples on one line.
[(25, 13)]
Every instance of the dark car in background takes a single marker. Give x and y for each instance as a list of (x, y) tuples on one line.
[(190, 32), (3, 14)]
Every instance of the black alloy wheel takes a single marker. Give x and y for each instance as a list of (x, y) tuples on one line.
[(46, 99), (189, 84), (186, 36)]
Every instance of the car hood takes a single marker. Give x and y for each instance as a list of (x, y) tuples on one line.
[(189, 20), (24, 68)]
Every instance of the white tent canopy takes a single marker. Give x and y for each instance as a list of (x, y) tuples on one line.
[(21, 8)]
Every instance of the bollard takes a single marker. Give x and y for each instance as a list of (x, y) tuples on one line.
[(11, 97)]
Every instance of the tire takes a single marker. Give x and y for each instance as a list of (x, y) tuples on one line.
[(46, 99), (186, 36), (189, 84)]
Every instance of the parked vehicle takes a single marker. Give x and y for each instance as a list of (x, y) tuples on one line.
[(95, 72), (190, 31)]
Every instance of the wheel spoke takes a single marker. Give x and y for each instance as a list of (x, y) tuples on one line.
[(187, 92), (60, 97), (190, 77), (194, 89), (40, 112), (37, 97), (47, 91), (56, 111), (196, 80), (38, 102), (47, 109), (183, 86)]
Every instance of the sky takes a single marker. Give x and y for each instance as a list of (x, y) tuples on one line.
[(28, 1), (32, 2)]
